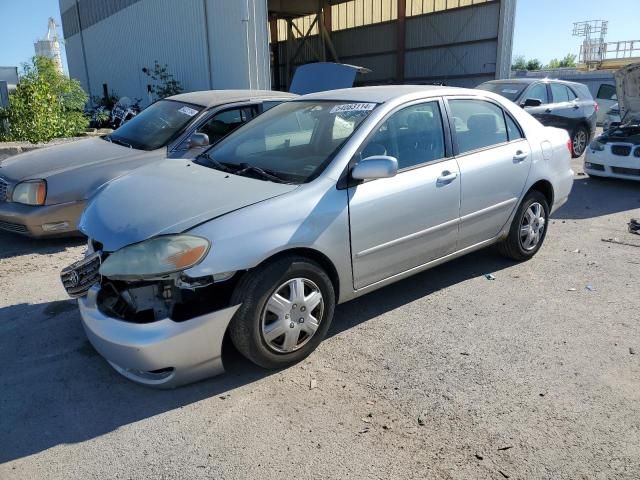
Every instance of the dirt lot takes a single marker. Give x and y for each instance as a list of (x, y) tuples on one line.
[(534, 375)]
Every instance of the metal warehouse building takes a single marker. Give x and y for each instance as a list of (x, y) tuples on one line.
[(212, 44)]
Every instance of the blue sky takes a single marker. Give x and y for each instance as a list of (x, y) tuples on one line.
[(543, 27)]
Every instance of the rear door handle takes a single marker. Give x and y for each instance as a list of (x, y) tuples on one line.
[(520, 156), (447, 177)]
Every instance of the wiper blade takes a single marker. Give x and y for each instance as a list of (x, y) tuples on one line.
[(119, 142), (215, 163), (246, 167)]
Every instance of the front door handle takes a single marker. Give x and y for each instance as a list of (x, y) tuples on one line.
[(520, 156), (549, 110), (447, 177)]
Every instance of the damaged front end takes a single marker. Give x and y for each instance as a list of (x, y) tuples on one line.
[(152, 322)]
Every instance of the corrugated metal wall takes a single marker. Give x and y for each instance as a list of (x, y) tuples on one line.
[(205, 43), (459, 46)]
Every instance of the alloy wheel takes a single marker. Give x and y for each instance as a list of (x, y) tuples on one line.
[(292, 315), (532, 226), (579, 142)]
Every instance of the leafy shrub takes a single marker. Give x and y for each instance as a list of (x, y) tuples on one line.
[(164, 85), (45, 105)]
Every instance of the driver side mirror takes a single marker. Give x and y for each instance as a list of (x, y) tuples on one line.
[(531, 102), (199, 140), (377, 166)]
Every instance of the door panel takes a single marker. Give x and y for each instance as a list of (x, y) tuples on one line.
[(402, 222), (565, 112), (494, 165)]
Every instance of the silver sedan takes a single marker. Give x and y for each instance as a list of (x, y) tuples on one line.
[(314, 203)]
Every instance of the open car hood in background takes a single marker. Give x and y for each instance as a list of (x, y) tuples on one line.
[(323, 76), (628, 90)]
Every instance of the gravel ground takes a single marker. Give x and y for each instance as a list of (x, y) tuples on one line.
[(447, 375)]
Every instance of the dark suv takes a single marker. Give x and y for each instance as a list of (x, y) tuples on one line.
[(555, 103)]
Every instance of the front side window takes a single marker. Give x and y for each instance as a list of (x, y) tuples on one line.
[(607, 92), (538, 92), (478, 124), (156, 125), (292, 142), (413, 135), (223, 123)]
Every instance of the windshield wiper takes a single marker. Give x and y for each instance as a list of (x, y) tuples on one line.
[(215, 163), (119, 142), (246, 167)]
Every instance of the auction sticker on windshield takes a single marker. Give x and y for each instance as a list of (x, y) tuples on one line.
[(353, 107), (188, 111)]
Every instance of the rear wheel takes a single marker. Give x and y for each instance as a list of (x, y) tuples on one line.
[(287, 308), (528, 229), (579, 141)]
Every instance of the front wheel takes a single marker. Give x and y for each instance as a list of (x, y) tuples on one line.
[(286, 309), (579, 141), (528, 229)]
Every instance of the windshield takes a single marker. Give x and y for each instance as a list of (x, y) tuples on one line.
[(292, 142), (156, 125), (508, 90)]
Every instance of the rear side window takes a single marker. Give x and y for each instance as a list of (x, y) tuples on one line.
[(478, 124), (512, 129), (607, 92), (561, 93), (538, 92)]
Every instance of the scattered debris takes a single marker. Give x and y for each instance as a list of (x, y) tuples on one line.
[(503, 474), (541, 394), (591, 288), (572, 289), (577, 250), (387, 427), (502, 449), (617, 241), (422, 419), (489, 276), (313, 384), (366, 420), (634, 226), (369, 402), (364, 430), (632, 350), (224, 397), (479, 456), (466, 354)]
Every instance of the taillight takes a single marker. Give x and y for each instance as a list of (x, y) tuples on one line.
[(596, 106), (570, 146)]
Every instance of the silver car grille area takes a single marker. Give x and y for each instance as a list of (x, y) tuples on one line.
[(4, 190)]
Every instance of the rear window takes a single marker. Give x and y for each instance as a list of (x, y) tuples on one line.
[(607, 92), (508, 90)]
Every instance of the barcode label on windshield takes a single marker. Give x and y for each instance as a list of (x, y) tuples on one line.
[(353, 107), (188, 111)]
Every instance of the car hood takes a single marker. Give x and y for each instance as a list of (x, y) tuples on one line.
[(628, 90), (170, 196), (45, 162), (323, 76)]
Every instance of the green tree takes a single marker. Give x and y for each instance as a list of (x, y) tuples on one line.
[(45, 105), (164, 84), (569, 61), (534, 64), (519, 63)]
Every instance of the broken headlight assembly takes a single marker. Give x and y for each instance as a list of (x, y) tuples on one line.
[(596, 146), (31, 192), (156, 257)]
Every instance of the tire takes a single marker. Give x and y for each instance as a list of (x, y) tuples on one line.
[(579, 141), (255, 327), (516, 246)]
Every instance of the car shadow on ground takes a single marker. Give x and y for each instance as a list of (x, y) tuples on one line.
[(13, 245), (595, 197), (57, 390)]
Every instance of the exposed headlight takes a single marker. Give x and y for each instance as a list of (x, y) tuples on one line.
[(31, 192), (597, 146), (155, 257)]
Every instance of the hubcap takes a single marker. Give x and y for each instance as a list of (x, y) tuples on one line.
[(292, 315), (579, 142), (532, 226)]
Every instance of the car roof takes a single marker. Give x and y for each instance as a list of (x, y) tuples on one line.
[(212, 98), (384, 93), (529, 80)]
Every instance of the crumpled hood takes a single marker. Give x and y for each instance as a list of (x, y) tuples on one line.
[(169, 196), (45, 162), (628, 90)]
